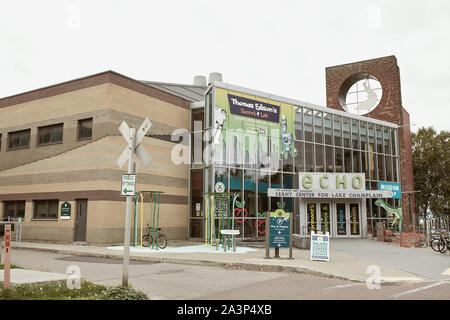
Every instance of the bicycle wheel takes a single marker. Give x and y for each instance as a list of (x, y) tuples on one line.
[(435, 244), (162, 241), (147, 240), (442, 246)]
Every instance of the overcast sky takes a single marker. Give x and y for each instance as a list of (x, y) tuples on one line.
[(280, 47)]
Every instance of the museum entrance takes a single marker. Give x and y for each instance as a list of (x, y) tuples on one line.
[(341, 218)]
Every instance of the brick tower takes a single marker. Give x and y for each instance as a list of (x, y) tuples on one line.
[(340, 78)]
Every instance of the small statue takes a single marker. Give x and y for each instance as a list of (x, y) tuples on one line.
[(392, 212)]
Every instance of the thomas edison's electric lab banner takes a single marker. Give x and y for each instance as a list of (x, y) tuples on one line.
[(250, 120)]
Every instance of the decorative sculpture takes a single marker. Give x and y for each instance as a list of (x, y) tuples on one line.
[(395, 213)]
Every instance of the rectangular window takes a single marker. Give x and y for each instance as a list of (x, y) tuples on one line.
[(356, 162), (327, 127), (337, 126), (46, 209), (355, 134), (318, 131), (339, 162), (85, 129), (319, 158), (50, 134), (14, 209), (19, 139), (298, 123), (381, 168), (309, 157), (348, 160), (307, 124), (329, 159), (299, 158), (0, 142), (346, 132)]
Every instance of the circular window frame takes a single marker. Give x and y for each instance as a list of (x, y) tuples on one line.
[(350, 81)]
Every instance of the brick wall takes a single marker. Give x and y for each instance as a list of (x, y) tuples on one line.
[(390, 109)]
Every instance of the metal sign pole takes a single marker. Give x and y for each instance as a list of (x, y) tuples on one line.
[(126, 249), (290, 233), (267, 235)]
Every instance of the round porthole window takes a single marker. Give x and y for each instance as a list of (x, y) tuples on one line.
[(360, 94)]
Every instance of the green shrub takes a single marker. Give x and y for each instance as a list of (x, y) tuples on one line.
[(123, 293)]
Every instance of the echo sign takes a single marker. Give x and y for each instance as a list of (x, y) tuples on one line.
[(331, 181)]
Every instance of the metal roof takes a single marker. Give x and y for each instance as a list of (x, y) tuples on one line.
[(189, 92)]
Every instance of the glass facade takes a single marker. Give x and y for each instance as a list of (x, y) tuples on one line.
[(325, 142)]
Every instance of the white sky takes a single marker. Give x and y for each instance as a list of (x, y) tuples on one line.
[(281, 47)]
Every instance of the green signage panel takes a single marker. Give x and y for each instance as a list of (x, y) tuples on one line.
[(280, 229), (65, 210)]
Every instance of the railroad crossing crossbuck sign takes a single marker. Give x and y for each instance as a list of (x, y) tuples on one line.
[(134, 142), (133, 139)]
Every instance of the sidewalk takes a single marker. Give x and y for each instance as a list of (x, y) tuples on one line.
[(342, 265)]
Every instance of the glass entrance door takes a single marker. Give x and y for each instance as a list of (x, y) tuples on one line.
[(318, 217), (347, 219)]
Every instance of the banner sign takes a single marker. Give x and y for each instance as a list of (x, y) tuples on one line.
[(334, 194), (280, 229), (244, 121), (391, 186), (254, 109), (320, 246)]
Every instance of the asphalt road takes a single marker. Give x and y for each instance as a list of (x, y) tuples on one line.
[(421, 261), (176, 281)]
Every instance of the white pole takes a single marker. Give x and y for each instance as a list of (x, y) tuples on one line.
[(126, 246)]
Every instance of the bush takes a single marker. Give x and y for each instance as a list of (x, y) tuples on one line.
[(123, 293)]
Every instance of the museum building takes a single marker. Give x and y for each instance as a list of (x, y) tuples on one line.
[(59, 146)]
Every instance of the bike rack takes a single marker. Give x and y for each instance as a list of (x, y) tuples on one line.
[(154, 215), (217, 205)]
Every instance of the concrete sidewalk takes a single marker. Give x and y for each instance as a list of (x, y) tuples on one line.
[(342, 265)]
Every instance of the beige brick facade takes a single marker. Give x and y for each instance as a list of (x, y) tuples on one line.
[(87, 169)]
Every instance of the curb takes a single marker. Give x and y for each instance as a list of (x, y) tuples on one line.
[(208, 263)]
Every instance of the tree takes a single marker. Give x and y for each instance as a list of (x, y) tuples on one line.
[(431, 165)]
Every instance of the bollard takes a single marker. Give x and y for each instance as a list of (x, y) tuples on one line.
[(7, 263)]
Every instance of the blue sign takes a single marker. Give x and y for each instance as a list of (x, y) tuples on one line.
[(391, 186)]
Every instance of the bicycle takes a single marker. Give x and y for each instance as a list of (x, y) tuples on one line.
[(441, 244), (147, 240)]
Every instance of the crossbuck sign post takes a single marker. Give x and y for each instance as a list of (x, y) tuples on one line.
[(133, 138)]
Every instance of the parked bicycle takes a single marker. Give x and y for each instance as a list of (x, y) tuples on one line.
[(147, 239), (441, 244)]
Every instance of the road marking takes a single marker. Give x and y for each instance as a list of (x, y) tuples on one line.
[(344, 286), (399, 279), (446, 272), (417, 290)]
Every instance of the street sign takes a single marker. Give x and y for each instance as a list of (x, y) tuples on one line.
[(320, 246), (395, 188), (280, 230), (128, 185), (65, 210), (141, 153)]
